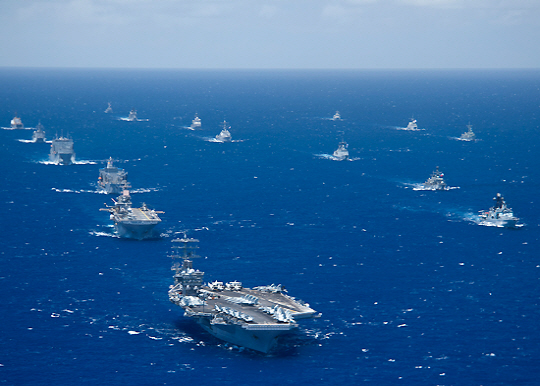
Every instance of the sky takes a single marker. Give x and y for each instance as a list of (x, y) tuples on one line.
[(270, 34)]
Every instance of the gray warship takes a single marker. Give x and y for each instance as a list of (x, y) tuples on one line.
[(132, 115), (434, 182), (224, 135), (196, 123), (499, 215), (468, 135), (109, 108), (341, 153), (251, 318), (112, 179), (38, 135), (16, 123), (129, 222), (62, 151)]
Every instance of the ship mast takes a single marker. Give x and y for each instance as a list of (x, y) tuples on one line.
[(189, 278)]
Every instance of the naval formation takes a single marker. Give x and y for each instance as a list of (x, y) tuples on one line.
[(252, 318)]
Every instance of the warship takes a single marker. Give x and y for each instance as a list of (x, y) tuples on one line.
[(62, 151), (434, 182), (112, 179), (468, 135), (336, 116), (224, 135), (38, 135), (132, 115), (196, 123), (109, 108), (251, 318), (411, 126), (499, 215), (129, 222), (341, 153), (16, 123)]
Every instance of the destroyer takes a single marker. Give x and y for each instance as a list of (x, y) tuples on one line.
[(129, 222), (112, 179), (196, 123), (38, 135), (252, 318), (337, 116), (224, 135), (468, 135), (341, 153), (62, 151), (499, 215), (109, 108), (16, 123), (434, 182)]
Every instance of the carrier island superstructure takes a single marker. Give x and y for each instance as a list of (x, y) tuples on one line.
[(251, 318)]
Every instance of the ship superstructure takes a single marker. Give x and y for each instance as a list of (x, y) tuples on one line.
[(341, 152), (224, 135), (132, 115), (251, 318), (62, 151), (196, 123), (38, 135), (112, 179), (16, 123), (468, 135), (129, 222), (499, 214)]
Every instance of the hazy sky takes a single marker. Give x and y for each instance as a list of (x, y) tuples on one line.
[(271, 33)]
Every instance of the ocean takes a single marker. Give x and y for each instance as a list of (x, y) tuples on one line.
[(412, 289)]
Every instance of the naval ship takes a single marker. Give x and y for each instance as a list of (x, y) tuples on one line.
[(112, 179), (38, 135), (224, 135), (251, 318), (468, 135), (132, 115), (341, 153), (337, 116), (129, 222), (499, 215), (62, 151), (109, 108), (411, 126), (434, 182), (196, 123), (16, 123)]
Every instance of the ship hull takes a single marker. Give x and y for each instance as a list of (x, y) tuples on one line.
[(135, 230), (62, 159), (112, 188), (259, 340)]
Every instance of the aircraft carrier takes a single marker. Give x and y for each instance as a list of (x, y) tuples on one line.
[(251, 318)]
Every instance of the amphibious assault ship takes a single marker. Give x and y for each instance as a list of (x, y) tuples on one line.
[(112, 179), (129, 222), (434, 182), (499, 215), (62, 151), (38, 135), (251, 318), (224, 135)]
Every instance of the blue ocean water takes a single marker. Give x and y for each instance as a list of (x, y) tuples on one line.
[(411, 289)]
